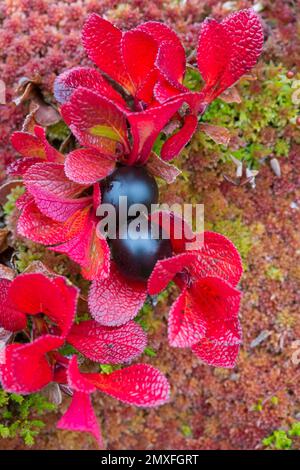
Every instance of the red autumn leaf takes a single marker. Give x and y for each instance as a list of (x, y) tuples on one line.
[(224, 300), (166, 269), (35, 145), (158, 167), (164, 91), (171, 55), (229, 49), (139, 385), (25, 368), (219, 134), (20, 166), (128, 58), (80, 416), (146, 126), (185, 325), (87, 249), (53, 192), (108, 345), (173, 146), (139, 52), (61, 210), (116, 300), (87, 166), (102, 42), (49, 179), (35, 293), (10, 317), (35, 226), (67, 82), (218, 257), (96, 121), (176, 229), (52, 155), (76, 380), (28, 145), (209, 308), (216, 354)]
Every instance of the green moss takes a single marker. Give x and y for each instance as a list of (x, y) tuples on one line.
[(18, 415), (146, 317), (274, 400), (258, 406), (149, 352), (109, 368), (295, 429), (266, 104), (274, 273), (278, 440), (58, 132), (281, 439), (192, 79), (282, 148), (12, 198), (186, 430), (25, 256)]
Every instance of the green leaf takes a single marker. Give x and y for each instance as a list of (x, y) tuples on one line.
[(101, 130)]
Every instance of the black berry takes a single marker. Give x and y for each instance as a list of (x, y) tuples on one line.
[(133, 182), (136, 258)]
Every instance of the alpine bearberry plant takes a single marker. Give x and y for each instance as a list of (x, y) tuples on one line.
[(117, 113), (39, 310)]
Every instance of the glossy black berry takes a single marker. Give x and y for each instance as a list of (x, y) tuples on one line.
[(136, 258), (131, 181)]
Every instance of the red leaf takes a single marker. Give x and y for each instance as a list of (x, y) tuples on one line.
[(216, 299), (139, 385), (163, 90), (52, 154), (186, 325), (61, 209), (88, 250), (217, 355), (116, 300), (10, 317), (96, 121), (35, 146), (66, 83), (28, 145), (171, 56), (219, 134), (76, 380), (35, 293), (173, 146), (229, 49), (26, 369), (39, 228), (166, 269), (80, 416), (158, 167), (146, 126), (108, 345), (102, 42), (20, 166), (87, 166), (218, 257), (171, 63), (139, 52), (226, 332), (49, 179)]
